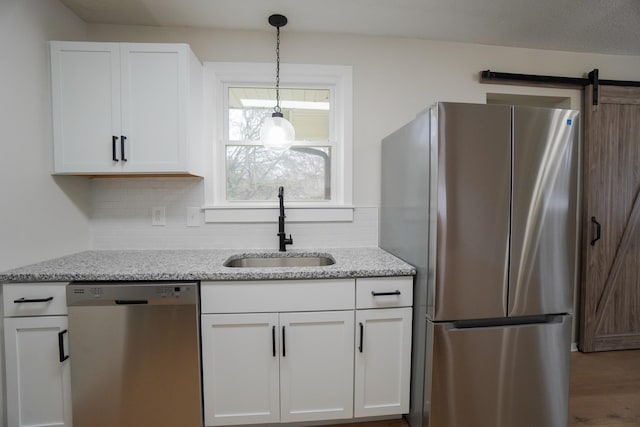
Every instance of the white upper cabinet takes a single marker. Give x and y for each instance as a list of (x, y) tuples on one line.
[(126, 108)]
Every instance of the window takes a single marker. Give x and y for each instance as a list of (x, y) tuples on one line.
[(254, 173), (316, 172)]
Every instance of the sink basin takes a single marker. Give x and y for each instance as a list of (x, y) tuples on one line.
[(277, 260)]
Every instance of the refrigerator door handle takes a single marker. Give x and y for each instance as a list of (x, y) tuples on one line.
[(598, 230)]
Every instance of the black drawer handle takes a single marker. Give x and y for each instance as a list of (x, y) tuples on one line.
[(25, 300), (122, 141), (114, 155), (284, 343), (361, 337), (379, 294), (63, 356), (273, 340)]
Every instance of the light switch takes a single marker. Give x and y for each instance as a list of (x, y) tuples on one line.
[(193, 216), (158, 215)]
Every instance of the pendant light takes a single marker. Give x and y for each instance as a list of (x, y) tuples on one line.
[(277, 133)]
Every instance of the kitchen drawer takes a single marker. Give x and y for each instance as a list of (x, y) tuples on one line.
[(384, 292), (34, 299), (263, 296)]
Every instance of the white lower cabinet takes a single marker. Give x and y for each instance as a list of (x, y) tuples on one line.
[(240, 368), (277, 367), (383, 347), (316, 366), (38, 381), (289, 350), (382, 361)]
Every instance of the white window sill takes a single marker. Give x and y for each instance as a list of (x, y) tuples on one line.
[(218, 214)]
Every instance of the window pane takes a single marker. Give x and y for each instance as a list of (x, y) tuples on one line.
[(255, 173), (306, 109)]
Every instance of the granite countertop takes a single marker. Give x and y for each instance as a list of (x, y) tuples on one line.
[(204, 264)]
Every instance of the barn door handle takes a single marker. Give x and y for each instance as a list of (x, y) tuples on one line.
[(598, 230)]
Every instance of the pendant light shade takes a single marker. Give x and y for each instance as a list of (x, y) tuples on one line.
[(277, 133)]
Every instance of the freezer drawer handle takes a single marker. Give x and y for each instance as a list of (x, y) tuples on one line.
[(63, 356), (379, 294), (361, 337), (598, 229), (25, 300)]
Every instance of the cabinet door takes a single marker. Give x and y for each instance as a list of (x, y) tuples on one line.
[(38, 384), (240, 368), (85, 80), (155, 89), (316, 365), (382, 361)]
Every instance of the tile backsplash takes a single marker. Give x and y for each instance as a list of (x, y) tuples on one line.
[(121, 219)]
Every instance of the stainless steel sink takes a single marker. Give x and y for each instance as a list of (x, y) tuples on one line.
[(290, 260)]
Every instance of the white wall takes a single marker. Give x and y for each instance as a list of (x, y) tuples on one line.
[(393, 79), (41, 217)]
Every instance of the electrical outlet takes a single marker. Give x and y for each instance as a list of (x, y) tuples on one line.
[(193, 217), (158, 215)]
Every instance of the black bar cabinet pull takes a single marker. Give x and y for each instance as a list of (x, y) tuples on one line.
[(122, 141), (63, 356), (361, 337), (284, 344), (114, 154), (379, 294), (273, 340), (598, 230), (25, 300)]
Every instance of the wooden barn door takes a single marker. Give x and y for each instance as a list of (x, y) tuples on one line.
[(610, 293)]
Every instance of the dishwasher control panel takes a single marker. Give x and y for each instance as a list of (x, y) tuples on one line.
[(130, 293)]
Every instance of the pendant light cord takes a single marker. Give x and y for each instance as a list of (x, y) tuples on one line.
[(277, 107)]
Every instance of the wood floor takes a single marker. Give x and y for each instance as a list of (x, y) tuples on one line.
[(604, 391)]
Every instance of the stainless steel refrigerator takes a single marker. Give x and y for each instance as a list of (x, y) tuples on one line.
[(482, 200)]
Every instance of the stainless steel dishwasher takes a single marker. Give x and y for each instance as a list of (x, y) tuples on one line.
[(135, 354)]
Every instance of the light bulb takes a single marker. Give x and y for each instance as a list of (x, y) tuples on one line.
[(277, 133)]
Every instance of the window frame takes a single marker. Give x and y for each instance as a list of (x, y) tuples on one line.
[(219, 76)]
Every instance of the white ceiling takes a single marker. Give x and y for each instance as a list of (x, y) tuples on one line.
[(602, 26)]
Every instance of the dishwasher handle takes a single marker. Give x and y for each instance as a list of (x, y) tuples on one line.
[(131, 301)]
